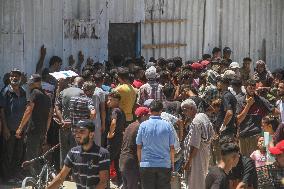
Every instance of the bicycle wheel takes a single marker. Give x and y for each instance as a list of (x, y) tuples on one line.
[(29, 183)]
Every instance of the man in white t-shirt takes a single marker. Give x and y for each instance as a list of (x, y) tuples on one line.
[(280, 102)]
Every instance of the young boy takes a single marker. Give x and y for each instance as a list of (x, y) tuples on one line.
[(217, 177), (115, 131)]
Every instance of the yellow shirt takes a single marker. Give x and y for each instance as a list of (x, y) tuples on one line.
[(128, 98)]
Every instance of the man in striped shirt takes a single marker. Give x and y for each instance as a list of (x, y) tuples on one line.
[(89, 162)]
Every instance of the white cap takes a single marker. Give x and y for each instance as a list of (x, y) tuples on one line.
[(234, 65), (151, 73), (230, 74)]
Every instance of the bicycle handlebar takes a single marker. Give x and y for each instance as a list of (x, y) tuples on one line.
[(26, 163)]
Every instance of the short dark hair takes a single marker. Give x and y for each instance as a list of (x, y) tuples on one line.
[(271, 121), (123, 73), (86, 74), (229, 148), (227, 139), (156, 106), (216, 49), (236, 82), (206, 56), (250, 82), (224, 80), (177, 61), (99, 76), (247, 59), (115, 95), (162, 62), (53, 60), (168, 90)]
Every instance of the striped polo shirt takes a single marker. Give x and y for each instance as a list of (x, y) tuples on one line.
[(86, 165), (80, 108)]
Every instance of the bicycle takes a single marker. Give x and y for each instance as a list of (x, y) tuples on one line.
[(47, 173)]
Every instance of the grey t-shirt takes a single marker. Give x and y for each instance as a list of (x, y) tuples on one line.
[(63, 100)]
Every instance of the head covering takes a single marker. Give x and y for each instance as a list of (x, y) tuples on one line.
[(142, 111), (16, 70), (212, 76), (234, 65), (204, 63), (169, 118), (85, 124), (227, 50), (34, 78), (148, 102), (278, 148), (149, 64), (230, 74), (151, 73), (196, 66)]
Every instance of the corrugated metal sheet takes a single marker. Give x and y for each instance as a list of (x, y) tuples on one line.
[(267, 32), (95, 11), (250, 27), (126, 11), (189, 32)]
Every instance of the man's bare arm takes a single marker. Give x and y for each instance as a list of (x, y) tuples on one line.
[(39, 64), (112, 129), (103, 115), (172, 152), (26, 117), (139, 149), (104, 175), (59, 179)]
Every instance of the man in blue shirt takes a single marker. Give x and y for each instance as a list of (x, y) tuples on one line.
[(155, 150), (14, 102)]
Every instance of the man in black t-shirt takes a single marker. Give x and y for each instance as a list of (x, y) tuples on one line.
[(115, 131), (37, 116), (217, 177), (170, 105), (227, 114), (251, 108)]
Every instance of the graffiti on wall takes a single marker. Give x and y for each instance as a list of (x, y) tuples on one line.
[(80, 29)]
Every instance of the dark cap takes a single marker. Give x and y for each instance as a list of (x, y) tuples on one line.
[(34, 78), (227, 50), (16, 70), (85, 124)]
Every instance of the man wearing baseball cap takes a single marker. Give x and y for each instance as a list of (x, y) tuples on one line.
[(227, 55), (37, 116), (128, 162), (14, 103)]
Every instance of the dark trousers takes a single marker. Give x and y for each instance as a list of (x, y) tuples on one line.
[(117, 170), (155, 178), (12, 155), (130, 179), (34, 149)]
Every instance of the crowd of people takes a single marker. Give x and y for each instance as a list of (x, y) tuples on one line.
[(211, 120)]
